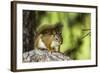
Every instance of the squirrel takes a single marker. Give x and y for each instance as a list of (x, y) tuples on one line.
[(50, 39)]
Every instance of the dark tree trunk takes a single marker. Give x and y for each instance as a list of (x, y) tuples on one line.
[(29, 26)]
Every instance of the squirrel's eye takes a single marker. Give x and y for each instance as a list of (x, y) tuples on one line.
[(56, 39)]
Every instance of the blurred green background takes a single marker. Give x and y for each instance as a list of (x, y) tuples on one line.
[(76, 31)]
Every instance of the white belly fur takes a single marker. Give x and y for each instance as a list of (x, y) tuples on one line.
[(55, 45), (41, 44)]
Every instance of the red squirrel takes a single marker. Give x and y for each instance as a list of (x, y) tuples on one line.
[(49, 39)]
